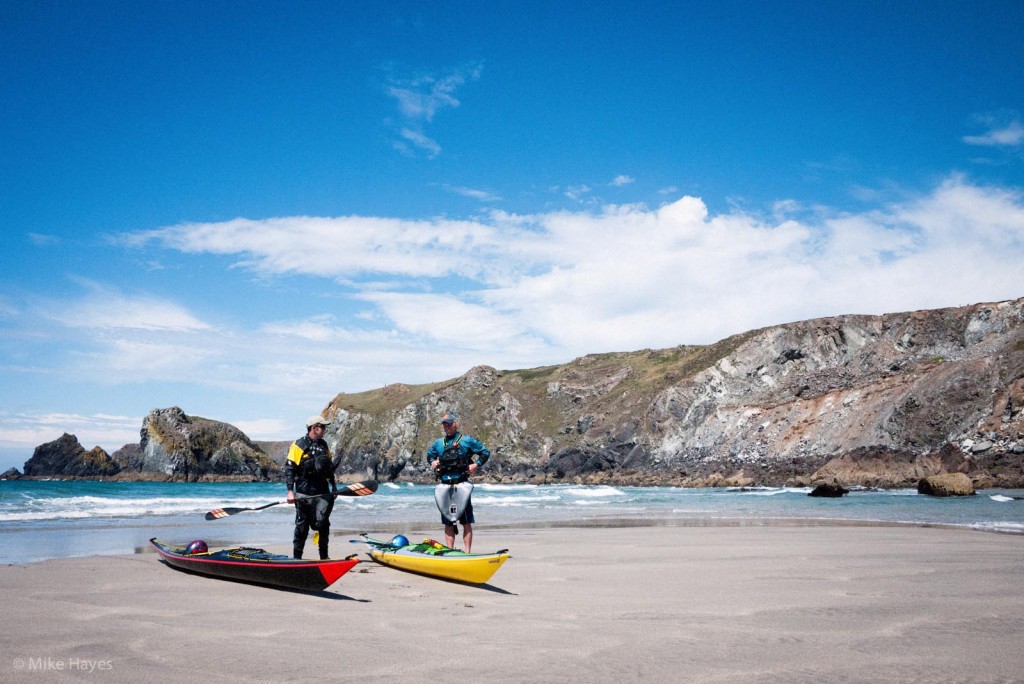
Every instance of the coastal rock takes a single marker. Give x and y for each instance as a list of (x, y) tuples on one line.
[(829, 491), (66, 457), (10, 474), (129, 458), (182, 447), (982, 446), (949, 484), (884, 467)]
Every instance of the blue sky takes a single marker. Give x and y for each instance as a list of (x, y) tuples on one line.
[(244, 208)]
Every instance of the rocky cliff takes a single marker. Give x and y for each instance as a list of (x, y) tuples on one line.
[(871, 400), (857, 400)]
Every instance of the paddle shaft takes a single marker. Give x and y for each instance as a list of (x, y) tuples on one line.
[(355, 489)]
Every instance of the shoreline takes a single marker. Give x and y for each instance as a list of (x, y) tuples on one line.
[(640, 603), (57, 520), (341, 535)]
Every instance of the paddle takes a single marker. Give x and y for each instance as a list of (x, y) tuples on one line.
[(355, 489), (373, 542)]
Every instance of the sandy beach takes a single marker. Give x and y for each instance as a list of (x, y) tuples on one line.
[(661, 604)]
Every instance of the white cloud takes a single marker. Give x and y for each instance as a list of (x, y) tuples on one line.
[(317, 329), (105, 309), (40, 240), (629, 277), (121, 359), (999, 134), (447, 319), (619, 181), (482, 195), (577, 192), (420, 98), (419, 141), (265, 428), (335, 247)]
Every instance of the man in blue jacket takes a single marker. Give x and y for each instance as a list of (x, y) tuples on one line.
[(454, 458)]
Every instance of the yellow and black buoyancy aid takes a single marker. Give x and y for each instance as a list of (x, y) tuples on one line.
[(308, 469)]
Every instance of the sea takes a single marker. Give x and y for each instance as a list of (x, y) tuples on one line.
[(42, 520)]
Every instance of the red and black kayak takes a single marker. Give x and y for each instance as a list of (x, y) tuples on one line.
[(257, 566)]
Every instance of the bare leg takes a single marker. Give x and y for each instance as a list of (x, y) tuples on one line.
[(467, 536), (449, 536)]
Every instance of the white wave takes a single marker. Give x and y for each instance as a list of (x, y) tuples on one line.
[(594, 491), (504, 487), (1000, 497), (43, 515), (768, 491), (391, 485), (514, 500), (79, 507), (999, 526)]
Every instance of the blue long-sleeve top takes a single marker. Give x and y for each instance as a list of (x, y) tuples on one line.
[(456, 453)]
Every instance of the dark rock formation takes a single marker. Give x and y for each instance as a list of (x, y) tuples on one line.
[(11, 474), (833, 491), (173, 446), (947, 484), (130, 458), (65, 457), (190, 448)]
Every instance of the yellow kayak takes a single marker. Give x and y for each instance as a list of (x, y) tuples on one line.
[(433, 558)]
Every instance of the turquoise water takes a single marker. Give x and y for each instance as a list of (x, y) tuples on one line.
[(44, 520)]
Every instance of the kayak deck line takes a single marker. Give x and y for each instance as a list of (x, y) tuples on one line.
[(257, 566), (437, 560)]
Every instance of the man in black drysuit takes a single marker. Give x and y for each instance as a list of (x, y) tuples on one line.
[(309, 474)]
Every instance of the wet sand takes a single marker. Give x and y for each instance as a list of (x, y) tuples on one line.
[(656, 604)]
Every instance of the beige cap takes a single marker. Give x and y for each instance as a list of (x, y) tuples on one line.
[(316, 420)]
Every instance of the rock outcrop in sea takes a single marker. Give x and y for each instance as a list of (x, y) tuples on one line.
[(191, 448), (172, 446), (946, 484), (65, 457)]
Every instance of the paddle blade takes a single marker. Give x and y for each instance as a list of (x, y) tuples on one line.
[(358, 488), (218, 513), (223, 512)]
